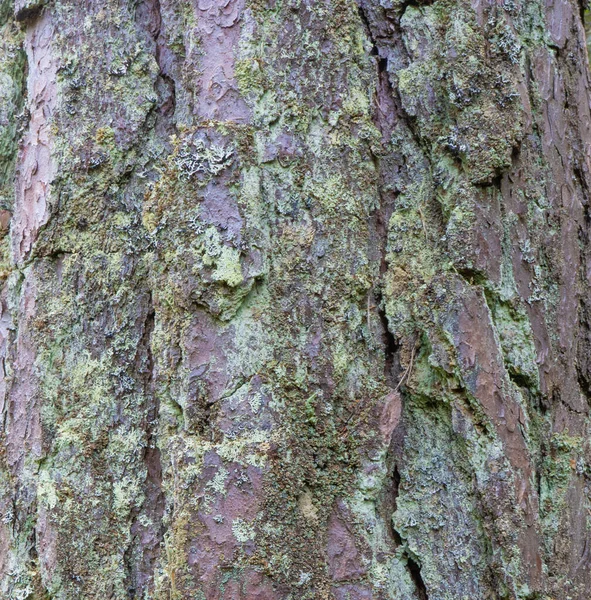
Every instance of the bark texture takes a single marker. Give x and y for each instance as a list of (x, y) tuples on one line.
[(295, 300)]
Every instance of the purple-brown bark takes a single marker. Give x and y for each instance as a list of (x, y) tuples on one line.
[(295, 300)]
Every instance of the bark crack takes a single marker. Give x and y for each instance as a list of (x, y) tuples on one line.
[(416, 4), (30, 11), (385, 117), (149, 18), (415, 573), (388, 112), (147, 527)]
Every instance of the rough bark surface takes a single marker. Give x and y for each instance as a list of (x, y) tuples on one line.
[(295, 300)]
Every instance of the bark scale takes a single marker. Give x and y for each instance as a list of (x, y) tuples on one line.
[(295, 299)]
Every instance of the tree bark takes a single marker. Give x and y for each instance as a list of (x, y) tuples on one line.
[(295, 300)]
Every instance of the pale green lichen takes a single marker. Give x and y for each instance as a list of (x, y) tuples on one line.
[(243, 531)]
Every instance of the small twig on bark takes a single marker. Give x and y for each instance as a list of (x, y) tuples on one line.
[(406, 374)]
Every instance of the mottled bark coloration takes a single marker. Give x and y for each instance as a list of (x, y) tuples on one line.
[(295, 300)]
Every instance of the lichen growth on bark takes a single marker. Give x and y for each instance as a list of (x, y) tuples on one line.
[(295, 300)]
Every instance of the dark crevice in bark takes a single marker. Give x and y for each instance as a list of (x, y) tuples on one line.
[(584, 349), (387, 505), (367, 27), (412, 566), (538, 475), (142, 554), (584, 184), (199, 418), (168, 104), (388, 111), (416, 4), (21, 118), (395, 486), (381, 62), (384, 118), (29, 12), (415, 573), (147, 527), (379, 226), (384, 89), (387, 91), (520, 380), (395, 535), (494, 182), (392, 367), (149, 18), (583, 7), (472, 276)]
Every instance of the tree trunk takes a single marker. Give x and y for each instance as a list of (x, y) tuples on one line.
[(296, 300)]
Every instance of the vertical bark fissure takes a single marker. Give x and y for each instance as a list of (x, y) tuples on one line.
[(415, 572), (143, 552), (148, 15), (381, 216), (385, 120)]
